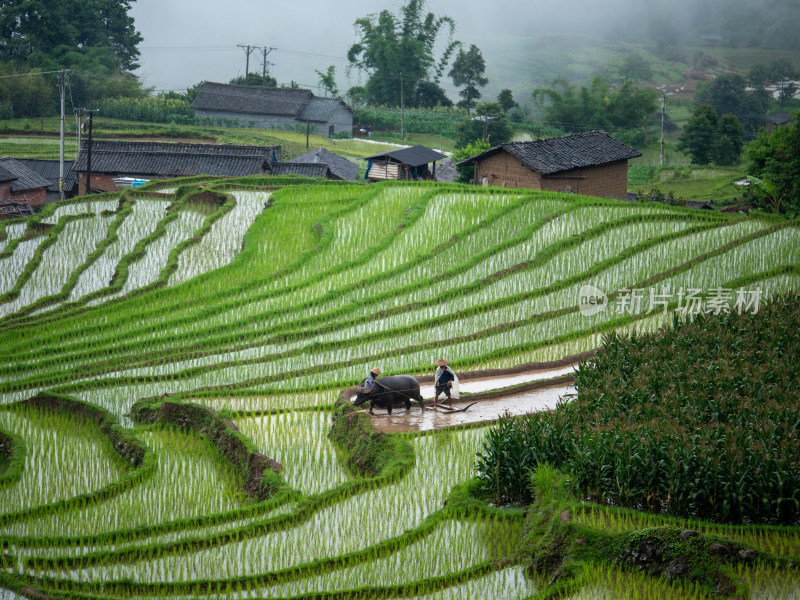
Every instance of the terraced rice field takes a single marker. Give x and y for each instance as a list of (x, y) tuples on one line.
[(262, 304)]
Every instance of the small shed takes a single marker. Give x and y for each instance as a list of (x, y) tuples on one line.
[(591, 163), (339, 166), (20, 185), (315, 170), (699, 205), (406, 163)]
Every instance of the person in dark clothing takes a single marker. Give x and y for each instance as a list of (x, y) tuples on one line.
[(443, 382)]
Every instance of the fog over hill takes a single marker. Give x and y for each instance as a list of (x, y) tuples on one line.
[(189, 41)]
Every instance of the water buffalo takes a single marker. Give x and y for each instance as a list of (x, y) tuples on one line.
[(386, 390)]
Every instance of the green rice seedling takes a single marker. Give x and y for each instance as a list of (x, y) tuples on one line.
[(219, 246), (58, 261), (190, 480), (453, 546), (146, 270), (142, 222), (608, 583), (345, 526), (65, 456), (82, 207), (299, 441)]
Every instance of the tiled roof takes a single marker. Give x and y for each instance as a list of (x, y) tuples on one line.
[(156, 159), (49, 169), (779, 118), (340, 167), (6, 175), (414, 156), (446, 171), (557, 154), (296, 168), (24, 178), (318, 109), (251, 99)]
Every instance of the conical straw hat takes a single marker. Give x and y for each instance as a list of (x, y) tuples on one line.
[(376, 370), (441, 363)]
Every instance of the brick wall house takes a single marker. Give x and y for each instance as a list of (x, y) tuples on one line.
[(21, 185), (591, 164)]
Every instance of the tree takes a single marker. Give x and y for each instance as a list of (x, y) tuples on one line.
[(255, 79), (774, 158), (327, 81), (357, 96), (43, 31), (400, 51), (698, 135), (708, 138), (489, 123), (431, 95), (595, 106), (728, 94), (465, 174), (727, 146), (506, 100), (467, 71), (635, 67)]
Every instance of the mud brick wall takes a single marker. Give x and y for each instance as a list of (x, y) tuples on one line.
[(504, 170)]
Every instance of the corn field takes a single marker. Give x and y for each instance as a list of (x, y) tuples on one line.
[(171, 360)]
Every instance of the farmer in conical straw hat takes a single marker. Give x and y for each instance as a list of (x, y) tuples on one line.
[(443, 382), (370, 380)]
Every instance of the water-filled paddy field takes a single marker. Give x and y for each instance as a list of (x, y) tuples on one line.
[(255, 308)]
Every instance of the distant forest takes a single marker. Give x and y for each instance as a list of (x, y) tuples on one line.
[(768, 24)]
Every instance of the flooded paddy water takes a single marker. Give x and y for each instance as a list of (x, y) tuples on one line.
[(488, 406)]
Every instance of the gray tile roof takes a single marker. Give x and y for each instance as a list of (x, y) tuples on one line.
[(156, 159), (49, 169), (414, 156), (251, 99), (446, 171), (554, 155), (296, 168), (340, 167), (318, 109), (24, 178), (6, 175), (779, 118)]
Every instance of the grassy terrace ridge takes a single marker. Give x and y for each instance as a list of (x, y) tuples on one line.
[(256, 478)]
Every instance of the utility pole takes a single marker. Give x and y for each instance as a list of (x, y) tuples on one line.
[(264, 64), (247, 50), (402, 110), (663, 111), (62, 89), (89, 155)]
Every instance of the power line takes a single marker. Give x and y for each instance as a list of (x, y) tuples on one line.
[(31, 74)]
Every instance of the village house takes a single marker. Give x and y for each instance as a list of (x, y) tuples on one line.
[(592, 164), (777, 119), (273, 108), (22, 191), (406, 163), (164, 160), (50, 170)]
